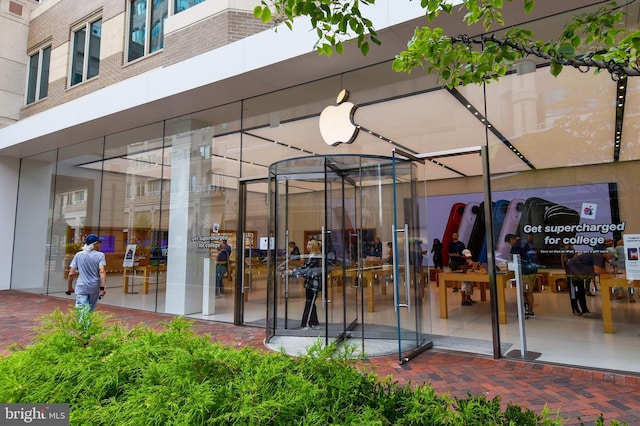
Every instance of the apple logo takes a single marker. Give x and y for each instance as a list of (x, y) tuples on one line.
[(336, 121)]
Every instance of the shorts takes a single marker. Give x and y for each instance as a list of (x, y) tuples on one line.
[(467, 287), (528, 283)]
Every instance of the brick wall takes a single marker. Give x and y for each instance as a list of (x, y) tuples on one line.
[(54, 26)]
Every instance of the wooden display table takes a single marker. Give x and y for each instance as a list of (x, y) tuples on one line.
[(368, 277), (606, 284), (146, 271), (501, 281)]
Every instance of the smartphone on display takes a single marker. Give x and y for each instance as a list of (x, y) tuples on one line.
[(469, 217), (477, 238), (509, 226), (455, 216), (499, 212)]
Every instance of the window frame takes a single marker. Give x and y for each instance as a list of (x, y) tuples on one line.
[(148, 40), (87, 26), (37, 85)]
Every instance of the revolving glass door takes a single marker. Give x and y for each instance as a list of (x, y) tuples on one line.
[(346, 206)]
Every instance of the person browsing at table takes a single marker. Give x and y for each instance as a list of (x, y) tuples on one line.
[(581, 269), (467, 264)]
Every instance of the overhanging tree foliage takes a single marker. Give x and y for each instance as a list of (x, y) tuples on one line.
[(596, 40)]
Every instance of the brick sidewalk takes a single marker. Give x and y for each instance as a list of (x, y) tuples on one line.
[(573, 391)]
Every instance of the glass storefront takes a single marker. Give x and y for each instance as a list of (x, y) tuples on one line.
[(175, 190)]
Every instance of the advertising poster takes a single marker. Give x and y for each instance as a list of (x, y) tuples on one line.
[(631, 250), (129, 256), (553, 220)]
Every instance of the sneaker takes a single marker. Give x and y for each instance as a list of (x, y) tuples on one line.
[(315, 327), (471, 301), (466, 303), (577, 314), (532, 314), (304, 328)]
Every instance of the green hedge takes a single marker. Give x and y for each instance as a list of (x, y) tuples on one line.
[(111, 375)]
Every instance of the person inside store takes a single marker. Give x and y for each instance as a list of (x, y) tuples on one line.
[(436, 249), (377, 248), (568, 251), (222, 265), (388, 255), (528, 270), (581, 270), (456, 258), (90, 264), (455, 254), (467, 264), (294, 251), (311, 271)]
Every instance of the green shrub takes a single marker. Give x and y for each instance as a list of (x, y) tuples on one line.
[(111, 375)]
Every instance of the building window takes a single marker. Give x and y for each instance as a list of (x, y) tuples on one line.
[(38, 79), (180, 5), (146, 27), (85, 62), (78, 197), (139, 189), (154, 187)]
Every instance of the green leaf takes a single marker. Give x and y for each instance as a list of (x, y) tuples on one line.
[(266, 14), (528, 5), (556, 68), (566, 49), (365, 48)]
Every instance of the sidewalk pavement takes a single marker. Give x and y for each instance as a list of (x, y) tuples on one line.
[(575, 392)]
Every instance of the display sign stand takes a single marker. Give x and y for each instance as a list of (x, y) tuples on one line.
[(514, 266)]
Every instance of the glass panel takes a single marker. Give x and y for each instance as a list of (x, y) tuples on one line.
[(44, 75), (202, 156), (33, 77), (93, 67), (41, 243), (77, 65), (254, 276), (137, 29), (135, 220), (159, 12), (181, 5)]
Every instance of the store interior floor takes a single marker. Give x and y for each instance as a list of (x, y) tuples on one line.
[(555, 334)]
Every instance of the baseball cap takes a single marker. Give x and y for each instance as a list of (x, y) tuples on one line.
[(612, 252), (466, 253), (92, 238)]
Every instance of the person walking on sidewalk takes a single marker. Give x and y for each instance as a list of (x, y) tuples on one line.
[(90, 264)]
